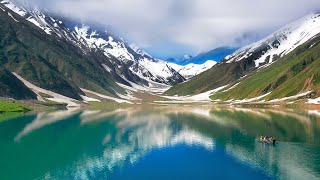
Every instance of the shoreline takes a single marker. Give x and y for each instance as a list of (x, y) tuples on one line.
[(35, 106)]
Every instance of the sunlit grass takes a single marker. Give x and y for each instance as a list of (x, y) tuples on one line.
[(10, 110), (6, 107)]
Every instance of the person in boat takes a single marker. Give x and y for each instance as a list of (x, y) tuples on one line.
[(268, 139), (263, 138)]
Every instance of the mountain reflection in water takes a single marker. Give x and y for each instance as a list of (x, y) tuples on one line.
[(100, 145)]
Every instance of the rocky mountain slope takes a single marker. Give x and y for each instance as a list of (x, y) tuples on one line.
[(48, 62), (140, 63), (11, 87)]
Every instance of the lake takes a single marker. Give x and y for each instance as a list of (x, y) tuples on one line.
[(161, 143)]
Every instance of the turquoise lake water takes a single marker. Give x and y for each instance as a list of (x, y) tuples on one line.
[(161, 143)]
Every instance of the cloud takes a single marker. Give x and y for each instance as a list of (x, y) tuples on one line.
[(197, 24)]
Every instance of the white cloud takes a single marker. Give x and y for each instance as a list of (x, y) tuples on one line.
[(200, 24)]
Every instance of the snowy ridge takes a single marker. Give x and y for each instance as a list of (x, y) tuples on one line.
[(104, 42), (49, 24), (138, 50), (281, 42), (19, 10), (191, 70), (139, 62), (159, 68)]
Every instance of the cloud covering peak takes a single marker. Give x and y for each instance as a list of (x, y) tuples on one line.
[(187, 26)]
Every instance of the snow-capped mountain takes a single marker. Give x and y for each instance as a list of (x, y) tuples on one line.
[(279, 43), (298, 38), (190, 70), (138, 61), (126, 62)]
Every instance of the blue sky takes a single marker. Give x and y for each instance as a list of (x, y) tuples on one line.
[(171, 28)]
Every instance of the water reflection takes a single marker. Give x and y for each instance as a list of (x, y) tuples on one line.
[(96, 144)]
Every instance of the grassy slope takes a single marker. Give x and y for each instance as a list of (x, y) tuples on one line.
[(50, 63), (220, 75), (292, 74)]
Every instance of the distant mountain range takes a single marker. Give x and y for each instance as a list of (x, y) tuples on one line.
[(180, 61), (213, 55)]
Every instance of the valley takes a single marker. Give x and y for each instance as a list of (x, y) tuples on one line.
[(45, 59)]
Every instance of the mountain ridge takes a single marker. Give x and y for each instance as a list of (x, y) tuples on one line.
[(250, 59)]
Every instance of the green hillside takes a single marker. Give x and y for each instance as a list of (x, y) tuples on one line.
[(220, 75), (292, 74), (215, 77), (289, 75), (50, 62)]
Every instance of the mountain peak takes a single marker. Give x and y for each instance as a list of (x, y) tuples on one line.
[(280, 42)]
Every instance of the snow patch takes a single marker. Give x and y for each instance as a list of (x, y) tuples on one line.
[(22, 12), (89, 99), (107, 68), (234, 86), (291, 97), (56, 97), (9, 14), (252, 99), (152, 88), (196, 98), (314, 101), (2, 9), (106, 97)]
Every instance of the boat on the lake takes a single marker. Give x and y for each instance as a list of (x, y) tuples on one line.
[(266, 139)]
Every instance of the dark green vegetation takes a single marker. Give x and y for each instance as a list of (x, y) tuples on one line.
[(290, 75), (10, 86), (48, 61)]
